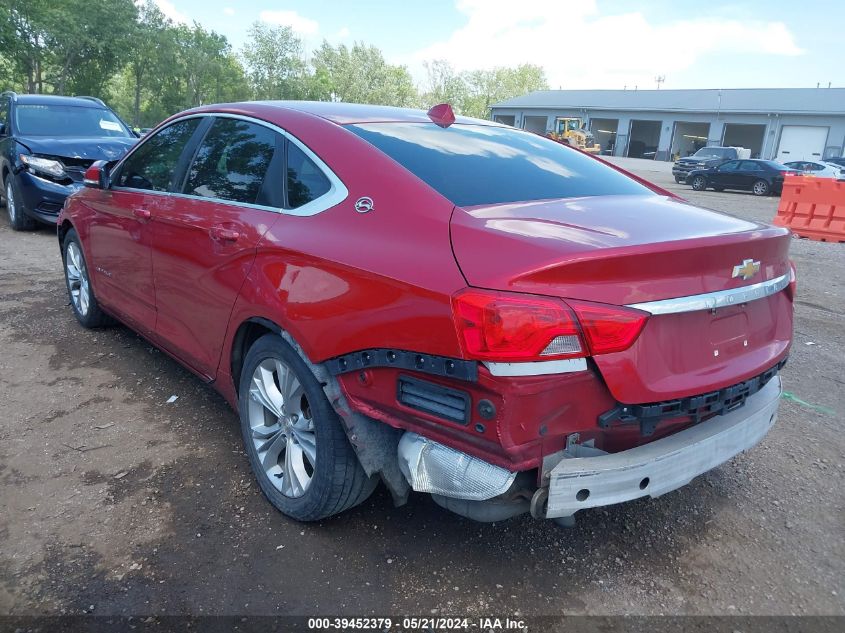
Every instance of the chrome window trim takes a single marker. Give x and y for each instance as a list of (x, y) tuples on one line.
[(714, 300), (336, 194)]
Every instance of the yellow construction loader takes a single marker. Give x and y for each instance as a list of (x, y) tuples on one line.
[(571, 131)]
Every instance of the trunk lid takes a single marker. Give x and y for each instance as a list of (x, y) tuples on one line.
[(626, 250)]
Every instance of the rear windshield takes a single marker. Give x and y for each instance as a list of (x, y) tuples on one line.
[(65, 120), (480, 164)]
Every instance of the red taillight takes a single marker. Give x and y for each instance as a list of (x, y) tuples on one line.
[(609, 328), (504, 327), (507, 327)]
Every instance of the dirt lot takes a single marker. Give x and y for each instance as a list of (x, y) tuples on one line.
[(114, 500)]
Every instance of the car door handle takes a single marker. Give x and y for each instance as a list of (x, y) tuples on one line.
[(222, 234), (142, 214)]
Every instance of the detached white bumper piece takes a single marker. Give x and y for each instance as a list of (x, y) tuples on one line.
[(665, 464), (432, 467)]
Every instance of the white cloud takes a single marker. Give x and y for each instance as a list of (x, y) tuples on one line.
[(228, 11), (170, 11), (580, 48), (343, 33), (298, 23)]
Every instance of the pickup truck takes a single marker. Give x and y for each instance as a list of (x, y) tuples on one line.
[(706, 157)]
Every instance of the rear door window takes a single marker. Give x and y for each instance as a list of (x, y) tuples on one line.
[(729, 166), (750, 165), (153, 165), (485, 164), (232, 163)]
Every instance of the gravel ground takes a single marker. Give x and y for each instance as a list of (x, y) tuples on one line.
[(114, 501)]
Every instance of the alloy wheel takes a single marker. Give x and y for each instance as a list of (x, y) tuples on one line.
[(10, 203), (760, 188), (282, 427), (77, 278)]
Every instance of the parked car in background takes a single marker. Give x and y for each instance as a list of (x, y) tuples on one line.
[(822, 169), (704, 158), (760, 177), (445, 304), (836, 161), (46, 144)]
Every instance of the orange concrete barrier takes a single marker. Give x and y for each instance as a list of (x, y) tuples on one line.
[(813, 207)]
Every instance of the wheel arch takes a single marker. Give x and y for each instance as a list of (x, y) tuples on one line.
[(375, 443), (63, 229), (249, 331)]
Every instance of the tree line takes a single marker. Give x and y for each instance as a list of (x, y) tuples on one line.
[(147, 67)]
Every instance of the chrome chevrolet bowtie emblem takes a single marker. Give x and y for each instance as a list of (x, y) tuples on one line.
[(747, 269), (364, 205)]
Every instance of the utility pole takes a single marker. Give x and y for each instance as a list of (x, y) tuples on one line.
[(660, 79)]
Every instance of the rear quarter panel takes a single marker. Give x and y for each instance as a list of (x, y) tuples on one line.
[(341, 280)]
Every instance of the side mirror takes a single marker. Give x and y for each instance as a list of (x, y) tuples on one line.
[(97, 175)]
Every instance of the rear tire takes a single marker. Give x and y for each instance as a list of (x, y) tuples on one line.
[(760, 188), (297, 448), (699, 183), (78, 282), (18, 219)]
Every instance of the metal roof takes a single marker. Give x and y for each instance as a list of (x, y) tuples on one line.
[(748, 100), (36, 99)]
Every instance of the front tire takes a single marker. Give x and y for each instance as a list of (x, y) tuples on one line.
[(699, 183), (18, 219), (78, 282), (760, 188), (296, 445)]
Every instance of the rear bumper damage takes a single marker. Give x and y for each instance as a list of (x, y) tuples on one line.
[(581, 476), (663, 465)]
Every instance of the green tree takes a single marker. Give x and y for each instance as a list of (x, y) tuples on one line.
[(274, 62), (360, 74), (486, 87), (72, 46), (87, 41), (443, 85), (209, 68), (153, 50), (22, 40)]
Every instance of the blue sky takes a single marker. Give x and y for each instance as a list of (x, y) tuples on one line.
[(580, 43)]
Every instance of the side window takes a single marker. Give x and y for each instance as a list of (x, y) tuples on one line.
[(4, 114), (232, 161), (750, 165), (729, 166), (306, 181), (153, 165)]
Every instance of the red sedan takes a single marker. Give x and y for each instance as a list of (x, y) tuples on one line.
[(450, 306)]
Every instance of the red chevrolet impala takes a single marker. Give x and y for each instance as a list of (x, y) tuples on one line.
[(450, 306)]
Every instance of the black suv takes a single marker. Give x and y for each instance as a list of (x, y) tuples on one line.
[(46, 144), (704, 158)]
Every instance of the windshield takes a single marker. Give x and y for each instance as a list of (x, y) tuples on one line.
[(716, 152), (481, 164), (66, 120)]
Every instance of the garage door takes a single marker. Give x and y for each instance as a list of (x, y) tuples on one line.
[(801, 142)]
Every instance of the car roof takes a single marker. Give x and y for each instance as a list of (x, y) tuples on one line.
[(58, 100), (346, 113)]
